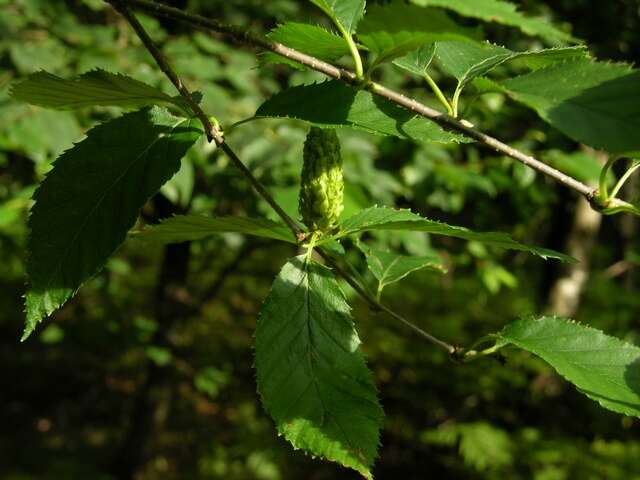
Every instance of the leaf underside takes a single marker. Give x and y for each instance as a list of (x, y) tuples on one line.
[(312, 376), (390, 267), (183, 228), (384, 218), (604, 368), (97, 87), (87, 203)]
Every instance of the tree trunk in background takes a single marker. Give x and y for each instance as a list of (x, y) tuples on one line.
[(565, 293), (629, 229), (151, 404)]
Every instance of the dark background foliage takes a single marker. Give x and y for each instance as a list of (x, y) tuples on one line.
[(147, 373)]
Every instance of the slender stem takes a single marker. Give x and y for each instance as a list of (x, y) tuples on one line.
[(444, 120), (298, 233), (436, 89), (376, 305), (603, 193), (624, 178), (213, 131), (353, 49), (455, 101), (219, 138)]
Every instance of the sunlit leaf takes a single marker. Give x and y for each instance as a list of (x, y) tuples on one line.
[(596, 103), (604, 368), (312, 376), (335, 104)]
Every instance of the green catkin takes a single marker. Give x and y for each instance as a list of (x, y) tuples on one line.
[(322, 185)]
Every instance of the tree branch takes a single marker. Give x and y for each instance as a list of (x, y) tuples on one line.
[(212, 132), (375, 304), (446, 121), (217, 136)]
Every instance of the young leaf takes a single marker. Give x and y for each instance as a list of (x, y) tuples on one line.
[(592, 102), (468, 60), (90, 199), (393, 30), (384, 218), (310, 39), (604, 368), (505, 13), (345, 14), (335, 104), (183, 228), (417, 61), (389, 267), (97, 87), (312, 376)]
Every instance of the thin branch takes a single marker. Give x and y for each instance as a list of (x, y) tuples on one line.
[(376, 305), (444, 120), (212, 132), (217, 136), (298, 233)]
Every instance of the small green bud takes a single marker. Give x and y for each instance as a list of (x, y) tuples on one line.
[(322, 186)]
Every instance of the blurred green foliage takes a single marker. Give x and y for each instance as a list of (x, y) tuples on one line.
[(120, 353)]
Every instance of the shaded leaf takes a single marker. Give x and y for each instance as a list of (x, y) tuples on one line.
[(184, 228), (604, 368), (310, 39), (417, 61), (97, 87), (505, 13), (312, 376), (390, 267), (595, 103), (384, 218), (335, 104), (393, 30), (87, 203)]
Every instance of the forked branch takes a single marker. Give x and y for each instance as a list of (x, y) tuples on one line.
[(215, 134), (446, 121)]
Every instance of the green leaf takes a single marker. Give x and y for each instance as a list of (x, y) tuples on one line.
[(89, 89), (604, 368), (468, 60), (417, 61), (345, 14), (312, 376), (390, 267), (393, 30), (90, 199), (595, 103), (504, 13), (184, 228), (334, 104), (384, 218), (310, 39)]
